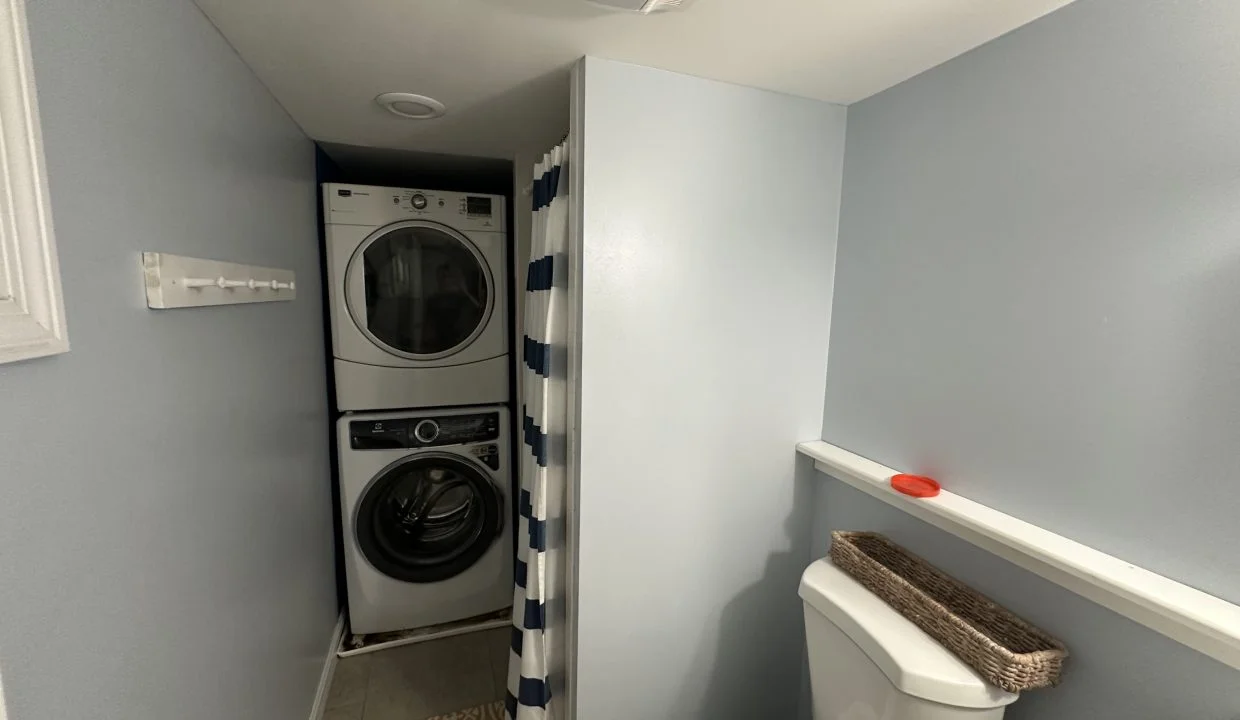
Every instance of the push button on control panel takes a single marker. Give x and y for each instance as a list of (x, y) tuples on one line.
[(488, 454)]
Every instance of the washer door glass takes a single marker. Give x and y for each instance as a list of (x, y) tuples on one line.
[(428, 518), (427, 291)]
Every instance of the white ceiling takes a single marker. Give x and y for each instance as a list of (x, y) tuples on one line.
[(501, 65)]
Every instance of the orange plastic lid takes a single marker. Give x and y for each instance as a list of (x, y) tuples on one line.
[(918, 486)]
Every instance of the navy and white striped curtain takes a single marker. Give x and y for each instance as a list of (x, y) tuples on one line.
[(537, 636)]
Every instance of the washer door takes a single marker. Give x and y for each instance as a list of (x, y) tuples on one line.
[(428, 518), (419, 290)]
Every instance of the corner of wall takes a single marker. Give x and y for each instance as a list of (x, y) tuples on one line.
[(838, 173), (576, 174)]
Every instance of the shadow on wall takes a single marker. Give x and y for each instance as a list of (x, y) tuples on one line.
[(754, 669)]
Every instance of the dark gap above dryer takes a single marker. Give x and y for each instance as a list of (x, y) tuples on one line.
[(408, 169)]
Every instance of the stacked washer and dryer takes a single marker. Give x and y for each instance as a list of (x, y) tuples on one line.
[(419, 314)]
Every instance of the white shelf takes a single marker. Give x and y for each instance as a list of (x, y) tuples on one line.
[(1201, 621)]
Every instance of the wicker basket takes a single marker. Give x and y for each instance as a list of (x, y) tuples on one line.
[(1006, 650)]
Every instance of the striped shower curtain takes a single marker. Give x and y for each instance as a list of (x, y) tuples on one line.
[(538, 604)]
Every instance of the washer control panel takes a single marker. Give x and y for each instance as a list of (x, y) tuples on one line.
[(420, 432)]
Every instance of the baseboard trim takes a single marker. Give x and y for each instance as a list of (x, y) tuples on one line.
[(432, 633), (319, 708)]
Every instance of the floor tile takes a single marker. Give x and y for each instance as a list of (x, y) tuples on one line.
[(499, 649), (427, 679), (349, 681), (346, 712)]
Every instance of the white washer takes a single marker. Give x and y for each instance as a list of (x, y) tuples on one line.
[(417, 283), (426, 503)]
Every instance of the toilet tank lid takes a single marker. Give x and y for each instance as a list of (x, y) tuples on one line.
[(914, 662)]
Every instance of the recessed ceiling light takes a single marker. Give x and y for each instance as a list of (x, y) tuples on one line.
[(409, 105)]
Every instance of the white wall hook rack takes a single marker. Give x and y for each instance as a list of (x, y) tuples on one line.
[(174, 281)]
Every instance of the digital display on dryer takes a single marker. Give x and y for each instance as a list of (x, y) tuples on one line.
[(478, 206)]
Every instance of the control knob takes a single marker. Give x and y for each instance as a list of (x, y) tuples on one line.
[(426, 431)]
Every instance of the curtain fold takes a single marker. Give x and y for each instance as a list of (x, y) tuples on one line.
[(538, 602)]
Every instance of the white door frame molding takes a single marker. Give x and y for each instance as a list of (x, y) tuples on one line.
[(32, 315)]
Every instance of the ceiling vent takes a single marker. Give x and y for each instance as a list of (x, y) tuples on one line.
[(644, 6)]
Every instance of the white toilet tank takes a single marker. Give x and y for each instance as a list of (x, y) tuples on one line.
[(866, 662)]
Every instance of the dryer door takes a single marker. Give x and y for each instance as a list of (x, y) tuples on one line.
[(419, 290), (428, 517)]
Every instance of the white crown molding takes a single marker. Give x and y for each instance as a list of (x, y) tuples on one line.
[(32, 315)]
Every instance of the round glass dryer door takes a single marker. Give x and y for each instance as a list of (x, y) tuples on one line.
[(419, 290), (428, 518)]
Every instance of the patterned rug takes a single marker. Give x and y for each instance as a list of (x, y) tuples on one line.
[(492, 711)]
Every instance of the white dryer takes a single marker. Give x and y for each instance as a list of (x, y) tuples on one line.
[(419, 297), (426, 501)]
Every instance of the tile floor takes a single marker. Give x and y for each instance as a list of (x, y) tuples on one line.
[(419, 681)]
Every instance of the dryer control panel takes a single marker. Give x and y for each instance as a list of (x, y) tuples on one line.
[(423, 431), (377, 206)]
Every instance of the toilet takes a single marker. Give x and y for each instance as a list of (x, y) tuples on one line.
[(867, 662)]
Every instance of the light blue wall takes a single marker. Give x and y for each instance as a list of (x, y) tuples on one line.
[(708, 247), (165, 526), (1036, 301)]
